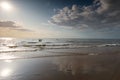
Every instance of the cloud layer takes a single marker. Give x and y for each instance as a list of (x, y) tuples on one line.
[(12, 25), (101, 14), (12, 29)]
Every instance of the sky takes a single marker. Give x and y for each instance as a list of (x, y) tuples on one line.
[(60, 18)]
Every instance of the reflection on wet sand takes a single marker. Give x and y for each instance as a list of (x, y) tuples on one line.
[(97, 67), (87, 65), (8, 61), (6, 72)]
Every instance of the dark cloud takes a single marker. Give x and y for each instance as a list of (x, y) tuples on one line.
[(8, 24), (101, 14), (12, 25)]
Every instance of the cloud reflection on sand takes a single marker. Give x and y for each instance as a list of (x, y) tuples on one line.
[(86, 65)]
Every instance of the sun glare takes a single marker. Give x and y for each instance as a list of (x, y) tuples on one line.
[(6, 6), (5, 72)]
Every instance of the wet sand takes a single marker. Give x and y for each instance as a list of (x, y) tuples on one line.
[(79, 67)]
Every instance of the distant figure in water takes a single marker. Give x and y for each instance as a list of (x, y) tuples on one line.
[(40, 40)]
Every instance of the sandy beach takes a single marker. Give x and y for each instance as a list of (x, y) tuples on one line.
[(84, 67)]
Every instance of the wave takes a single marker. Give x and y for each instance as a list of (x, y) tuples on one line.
[(109, 45), (27, 45), (19, 49)]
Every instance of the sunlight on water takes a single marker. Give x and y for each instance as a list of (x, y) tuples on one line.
[(6, 72), (7, 38), (7, 57), (8, 61)]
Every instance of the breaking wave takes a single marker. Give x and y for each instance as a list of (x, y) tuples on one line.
[(28, 45)]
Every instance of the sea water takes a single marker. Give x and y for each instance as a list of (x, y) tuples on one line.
[(28, 48)]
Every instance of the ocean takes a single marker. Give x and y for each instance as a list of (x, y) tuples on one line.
[(35, 48)]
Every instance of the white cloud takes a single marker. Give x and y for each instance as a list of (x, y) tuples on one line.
[(101, 14)]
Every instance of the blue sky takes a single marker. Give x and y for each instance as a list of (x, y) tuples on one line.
[(60, 19)]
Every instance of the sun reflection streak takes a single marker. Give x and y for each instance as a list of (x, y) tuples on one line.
[(6, 72), (7, 38), (7, 57), (8, 61)]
